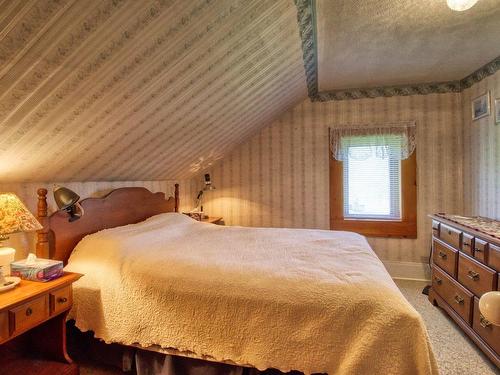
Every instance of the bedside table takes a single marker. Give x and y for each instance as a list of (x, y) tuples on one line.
[(217, 220), (33, 327)]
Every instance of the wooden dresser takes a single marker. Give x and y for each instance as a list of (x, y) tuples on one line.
[(465, 265)]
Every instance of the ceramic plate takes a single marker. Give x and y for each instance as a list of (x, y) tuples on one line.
[(10, 283)]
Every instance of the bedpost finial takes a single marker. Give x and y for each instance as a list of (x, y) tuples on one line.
[(42, 203), (42, 242)]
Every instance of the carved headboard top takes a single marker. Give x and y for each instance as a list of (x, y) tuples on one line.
[(121, 206)]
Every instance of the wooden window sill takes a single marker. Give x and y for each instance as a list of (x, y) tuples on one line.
[(377, 228)]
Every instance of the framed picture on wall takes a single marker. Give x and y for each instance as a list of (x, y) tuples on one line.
[(497, 111), (481, 106)]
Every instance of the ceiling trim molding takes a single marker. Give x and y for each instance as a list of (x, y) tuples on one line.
[(306, 17), (487, 70)]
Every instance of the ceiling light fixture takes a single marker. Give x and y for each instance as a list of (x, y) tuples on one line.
[(461, 5)]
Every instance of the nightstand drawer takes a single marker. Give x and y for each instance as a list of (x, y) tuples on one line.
[(4, 326), (60, 300), (28, 315)]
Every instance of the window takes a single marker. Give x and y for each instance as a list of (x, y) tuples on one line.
[(373, 186)]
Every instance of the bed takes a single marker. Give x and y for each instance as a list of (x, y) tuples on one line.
[(314, 301)]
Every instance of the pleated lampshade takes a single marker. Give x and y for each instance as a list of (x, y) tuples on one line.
[(15, 217)]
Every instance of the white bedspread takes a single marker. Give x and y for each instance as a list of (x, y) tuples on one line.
[(292, 299)]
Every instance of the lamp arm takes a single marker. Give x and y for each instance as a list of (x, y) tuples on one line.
[(82, 211)]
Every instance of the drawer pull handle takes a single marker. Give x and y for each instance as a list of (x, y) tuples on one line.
[(442, 255), (478, 249), (473, 275), (29, 311), (449, 232), (484, 323), (466, 244), (459, 299), (62, 300), (438, 281)]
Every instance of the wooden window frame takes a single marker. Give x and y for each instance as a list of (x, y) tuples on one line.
[(404, 228)]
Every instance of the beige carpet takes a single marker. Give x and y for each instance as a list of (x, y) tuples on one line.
[(456, 353)]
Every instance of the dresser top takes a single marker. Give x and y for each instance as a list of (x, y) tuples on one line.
[(489, 227)]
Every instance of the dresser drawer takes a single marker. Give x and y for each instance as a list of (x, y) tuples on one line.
[(450, 235), (435, 228), (494, 257), (488, 332), (4, 326), (480, 249), (445, 257), (454, 294), (475, 276), (467, 244), (60, 300), (29, 314)]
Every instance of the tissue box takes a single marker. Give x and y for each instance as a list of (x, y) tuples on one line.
[(41, 270)]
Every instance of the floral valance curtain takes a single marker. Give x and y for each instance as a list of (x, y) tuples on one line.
[(396, 140)]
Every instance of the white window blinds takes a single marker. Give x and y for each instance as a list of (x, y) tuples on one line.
[(371, 158)]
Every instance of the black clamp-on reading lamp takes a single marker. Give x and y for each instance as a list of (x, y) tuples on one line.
[(67, 200), (208, 187)]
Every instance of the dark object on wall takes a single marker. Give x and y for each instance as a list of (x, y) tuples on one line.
[(208, 183)]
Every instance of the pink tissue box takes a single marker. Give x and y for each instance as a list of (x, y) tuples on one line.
[(41, 270)]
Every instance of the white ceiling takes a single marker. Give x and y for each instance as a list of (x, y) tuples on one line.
[(372, 43), (139, 90)]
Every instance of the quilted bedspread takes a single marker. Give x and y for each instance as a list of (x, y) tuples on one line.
[(316, 301)]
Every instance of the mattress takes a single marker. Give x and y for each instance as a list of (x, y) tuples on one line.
[(315, 301)]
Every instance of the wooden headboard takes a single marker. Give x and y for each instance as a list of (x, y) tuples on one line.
[(122, 206)]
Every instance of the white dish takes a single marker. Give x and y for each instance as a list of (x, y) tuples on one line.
[(11, 282)]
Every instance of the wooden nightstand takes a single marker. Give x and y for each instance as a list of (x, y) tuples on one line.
[(33, 327), (213, 220)]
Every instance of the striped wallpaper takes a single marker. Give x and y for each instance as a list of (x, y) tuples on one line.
[(24, 242), (106, 90), (482, 153), (279, 177)]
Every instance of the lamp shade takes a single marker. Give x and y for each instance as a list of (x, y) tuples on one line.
[(14, 216), (64, 197), (489, 305)]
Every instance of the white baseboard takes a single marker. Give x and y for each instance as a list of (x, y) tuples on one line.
[(408, 270)]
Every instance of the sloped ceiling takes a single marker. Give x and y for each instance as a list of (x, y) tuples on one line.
[(372, 43), (139, 90)]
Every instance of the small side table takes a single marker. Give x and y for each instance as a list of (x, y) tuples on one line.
[(33, 327), (217, 220)]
